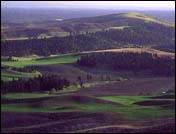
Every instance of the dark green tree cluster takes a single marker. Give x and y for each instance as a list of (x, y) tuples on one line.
[(148, 34), (38, 84), (130, 61), (89, 77)]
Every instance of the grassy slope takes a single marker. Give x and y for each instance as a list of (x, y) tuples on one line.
[(146, 18), (54, 60), (126, 100), (124, 106), (70, 88), (117, 19), (126, 50), (8, 75), (24, 95), (130, 100), (91, 24), (65, 58), (139, 50), (133, 110)]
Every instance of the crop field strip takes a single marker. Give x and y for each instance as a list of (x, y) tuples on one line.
[(89, 127), (126, 106), (9, 75), (53, 60), (72, 57)]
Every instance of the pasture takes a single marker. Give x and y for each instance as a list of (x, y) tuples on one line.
[(9, 75), (124, 103), (39, 62)]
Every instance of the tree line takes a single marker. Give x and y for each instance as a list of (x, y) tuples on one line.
[(37, 84), (27, 69), (148, 34), (135, 62)]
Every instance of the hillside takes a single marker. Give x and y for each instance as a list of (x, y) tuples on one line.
[(36, 15), (128, 19), (87, 67), (60, 27), (135, 50), (156, 37), (65, 64), (81, 34)]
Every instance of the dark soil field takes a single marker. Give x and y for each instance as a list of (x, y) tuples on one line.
[(70, 122), (83, 111), (156, 102), (130, 87), (127, 103)]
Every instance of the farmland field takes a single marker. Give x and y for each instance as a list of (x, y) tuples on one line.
[(76, 70), (121, 108), (39, 62), (106, 105), (9, 75)]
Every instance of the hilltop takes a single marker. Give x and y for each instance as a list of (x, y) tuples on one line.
[(63, 27), (117, 19), (135, 50)]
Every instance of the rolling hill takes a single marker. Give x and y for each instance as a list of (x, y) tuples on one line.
[(59, 27), (135, 50), (9, 75), (81, 34), (110, 73)]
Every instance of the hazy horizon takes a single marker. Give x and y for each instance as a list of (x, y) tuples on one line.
[(107, 5)]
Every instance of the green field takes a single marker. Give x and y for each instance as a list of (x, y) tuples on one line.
[(123, 105), (130, 112), (147, 18), (24, 95), (125, 100), (8, 75), (43, 61)]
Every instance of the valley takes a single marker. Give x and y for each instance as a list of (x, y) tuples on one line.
[(103, 104), (103, 73)]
